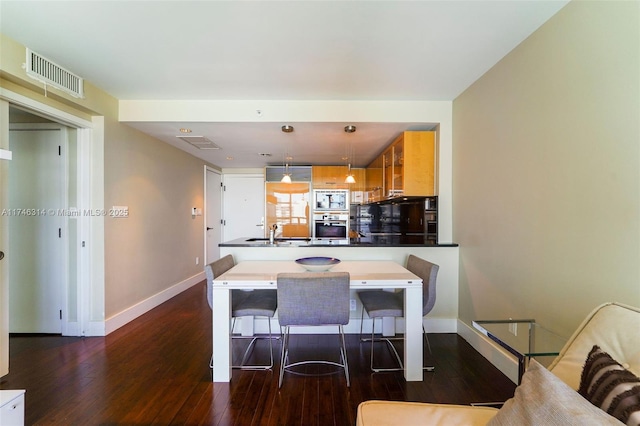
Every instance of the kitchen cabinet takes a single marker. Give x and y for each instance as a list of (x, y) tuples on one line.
[(329, 177), (357, 190), (375, 179), (406, 168)]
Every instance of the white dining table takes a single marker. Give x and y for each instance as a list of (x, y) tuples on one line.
[(364, 274)]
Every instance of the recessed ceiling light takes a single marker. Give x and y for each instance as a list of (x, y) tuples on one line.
[(350, 128), (287, 128), (185, 130), (229, 158)]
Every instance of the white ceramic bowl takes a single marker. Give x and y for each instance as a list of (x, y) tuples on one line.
[(317, 264)]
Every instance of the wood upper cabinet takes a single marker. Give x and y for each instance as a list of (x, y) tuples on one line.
[(408, 167), (375, 179), (357, 190), (324, 177)]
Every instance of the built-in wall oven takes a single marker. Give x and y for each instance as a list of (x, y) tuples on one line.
[(331, 226)]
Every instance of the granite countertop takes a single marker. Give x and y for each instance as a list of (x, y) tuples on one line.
[(383, 241)]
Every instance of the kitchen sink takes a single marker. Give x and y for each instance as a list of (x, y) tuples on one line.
[(279, 240)]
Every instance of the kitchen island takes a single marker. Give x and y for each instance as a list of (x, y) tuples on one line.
[(443, 317)]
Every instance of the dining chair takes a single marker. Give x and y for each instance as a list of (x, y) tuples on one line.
[(381, 303), (313, 299), (255, 303)]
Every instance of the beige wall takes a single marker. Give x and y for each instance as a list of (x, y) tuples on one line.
[(546, 175), (156, 246)]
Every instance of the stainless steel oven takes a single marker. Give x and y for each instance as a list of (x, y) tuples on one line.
[(331, 226)]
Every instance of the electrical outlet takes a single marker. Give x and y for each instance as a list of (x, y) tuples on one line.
[(352, 304), (197, 260)]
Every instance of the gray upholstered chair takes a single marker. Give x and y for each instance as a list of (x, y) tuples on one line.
[(380, 304), (313, 299), (256, 303)]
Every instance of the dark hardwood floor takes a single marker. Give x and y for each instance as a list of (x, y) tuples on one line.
[(155, 370)]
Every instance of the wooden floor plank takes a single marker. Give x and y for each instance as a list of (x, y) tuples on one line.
[(154, 370)]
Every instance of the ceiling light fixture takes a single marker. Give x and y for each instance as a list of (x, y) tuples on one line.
[(349, 178), (287, 128), (185, 130), (286, 176)]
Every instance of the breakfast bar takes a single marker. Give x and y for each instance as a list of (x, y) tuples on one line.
[(364, 274)]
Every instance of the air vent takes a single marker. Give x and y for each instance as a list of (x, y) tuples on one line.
[(54, 75), (199, 142)]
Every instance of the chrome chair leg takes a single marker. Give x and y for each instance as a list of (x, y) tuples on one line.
[(426, 339), (343, 355), (284, 355), (391, 348), (249, 349), (284, 359)]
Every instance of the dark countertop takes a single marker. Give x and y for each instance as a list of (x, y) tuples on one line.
[(383, 241)]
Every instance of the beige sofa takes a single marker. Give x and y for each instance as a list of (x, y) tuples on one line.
[(545, 397)]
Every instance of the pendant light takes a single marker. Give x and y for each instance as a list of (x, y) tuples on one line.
[(349, 178), (286, 177)]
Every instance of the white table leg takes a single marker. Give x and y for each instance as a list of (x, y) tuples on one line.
[(413, 334), (221, 338)]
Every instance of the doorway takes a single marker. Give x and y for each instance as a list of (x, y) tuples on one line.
[(38, 229), (213, 214)]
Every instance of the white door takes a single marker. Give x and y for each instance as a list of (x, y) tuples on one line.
[(36, 226), (213, 214), (243, 211)]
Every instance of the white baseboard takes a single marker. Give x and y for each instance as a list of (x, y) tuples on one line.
[(95, 328), (500, 358), (129, 314)]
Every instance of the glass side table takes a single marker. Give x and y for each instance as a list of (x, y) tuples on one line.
[(523, 338)]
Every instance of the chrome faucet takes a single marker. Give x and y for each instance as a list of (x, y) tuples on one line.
[(272, 233)]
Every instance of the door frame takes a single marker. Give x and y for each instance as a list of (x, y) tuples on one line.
[(208, 169), (90, 189)]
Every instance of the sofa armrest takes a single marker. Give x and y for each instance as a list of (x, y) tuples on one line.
[(612, 326), (380, 413)]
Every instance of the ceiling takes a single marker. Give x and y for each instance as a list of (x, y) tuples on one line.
[(277, 50)]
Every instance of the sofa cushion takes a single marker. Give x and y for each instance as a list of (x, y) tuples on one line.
[(608, 385), (543, 399), (612, 326), (384, 413)]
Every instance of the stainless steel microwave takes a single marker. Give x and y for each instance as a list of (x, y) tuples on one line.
[(325, 200)]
